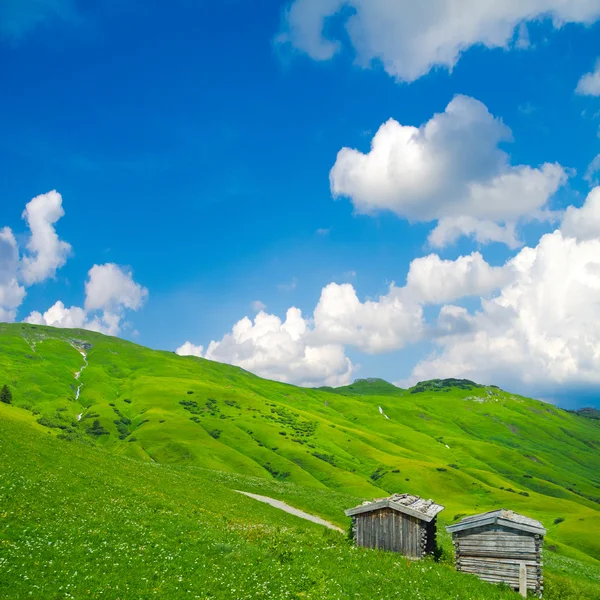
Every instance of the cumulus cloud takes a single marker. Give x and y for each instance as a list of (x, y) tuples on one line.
[(589, 84), (450, 170), (279, 350), (432, 280), (59, 315), (542, 328), (110, 291), (450, 229), (411, 38), (188, 349), (584, 223), (373, 326), (11, 293), (536, 327), (311, 351), (46, 252), (112, 288)]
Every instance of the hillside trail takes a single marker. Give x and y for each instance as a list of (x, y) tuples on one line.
[(77, 375), (291, 510)]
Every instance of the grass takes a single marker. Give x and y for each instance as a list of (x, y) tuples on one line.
[(77, 522), (195, 424)]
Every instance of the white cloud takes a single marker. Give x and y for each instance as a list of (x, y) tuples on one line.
[(11, 293), (542, 329), (47, 252), (592, 171), (432, 280), (59, 316), (536, 329), (188, 349), (279, 350), (584, 223), (110, 290), (589, 84), (323, 231), (451, 170), (372, 326), (411, 38), (257, 306), (450, 229), (311, 351)]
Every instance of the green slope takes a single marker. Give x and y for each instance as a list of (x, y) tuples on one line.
[(76, 522), (471, 448), (366, 387)]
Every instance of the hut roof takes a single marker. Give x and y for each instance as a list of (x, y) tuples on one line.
[(408, 504), (504, 517)]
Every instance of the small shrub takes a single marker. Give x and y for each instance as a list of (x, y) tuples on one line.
[(5, 395), (127, 400), (378, 474), (215, 433), (282, 433), (275, 473), (190, 392), (325, 457), (96, 429), (558, 520), (441, 469)]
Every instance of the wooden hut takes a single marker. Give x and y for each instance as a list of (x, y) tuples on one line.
[(501, 547), (401, 523)]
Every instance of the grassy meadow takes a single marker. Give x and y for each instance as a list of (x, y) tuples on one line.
[(128, 490)]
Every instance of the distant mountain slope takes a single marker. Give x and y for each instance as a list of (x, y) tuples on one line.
[(469, 447), (588, 413)]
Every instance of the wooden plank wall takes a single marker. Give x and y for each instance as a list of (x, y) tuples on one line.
[(387, 529), (494, 554)]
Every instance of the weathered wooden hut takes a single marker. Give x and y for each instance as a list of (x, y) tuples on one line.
[(401, 523), (501, 547)]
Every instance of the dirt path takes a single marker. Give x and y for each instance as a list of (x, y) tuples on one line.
[(290, 509)]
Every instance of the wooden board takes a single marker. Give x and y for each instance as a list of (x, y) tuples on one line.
[(387, 529)]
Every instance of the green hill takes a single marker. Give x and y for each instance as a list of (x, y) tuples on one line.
[(366, 387), (472, 448)]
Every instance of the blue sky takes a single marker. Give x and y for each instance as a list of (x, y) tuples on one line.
[(192, 147)]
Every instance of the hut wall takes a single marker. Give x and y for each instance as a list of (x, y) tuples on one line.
[(494, 554), (387, 529)]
